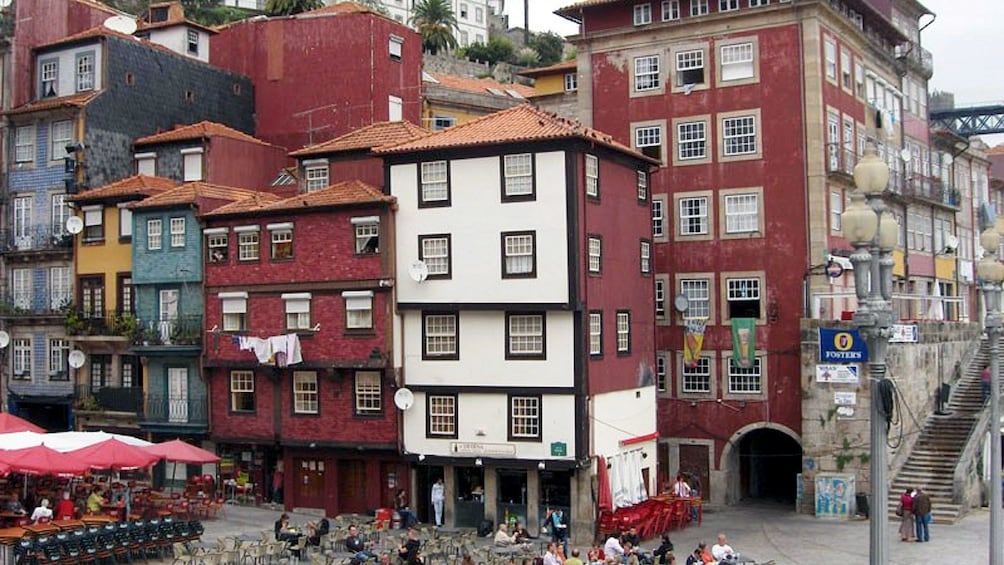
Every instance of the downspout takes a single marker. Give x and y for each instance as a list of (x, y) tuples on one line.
[(806, 281)]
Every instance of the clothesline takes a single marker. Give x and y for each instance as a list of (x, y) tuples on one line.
[(217, 331)]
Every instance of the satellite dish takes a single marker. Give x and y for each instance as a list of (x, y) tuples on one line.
[(4, 339), (76, 358), (121, 24), (681, 302), (418, 271), (404, 398), (947, 159), (74, 225), (951, 243), (905, 155)]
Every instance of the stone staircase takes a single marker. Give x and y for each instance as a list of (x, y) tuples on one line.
[(931, 464)]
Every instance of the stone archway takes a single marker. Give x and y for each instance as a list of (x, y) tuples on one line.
[(760, 462)]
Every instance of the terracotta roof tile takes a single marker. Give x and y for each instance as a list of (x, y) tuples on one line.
[(564, 66), (568, 10), (73, 100), (191, 192), (94, 32), (342, 194), (480, 85), (134, 186), (375, 135), (201, 130), (514, 125)]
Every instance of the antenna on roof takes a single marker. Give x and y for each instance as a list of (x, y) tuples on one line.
[(121, 24)]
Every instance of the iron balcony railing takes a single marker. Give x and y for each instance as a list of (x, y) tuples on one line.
[(29, 303), (840, 159), (932, 190), (177, 409), (109, 398), (178, 330), (915, 55), (104, 323), (35, 238)]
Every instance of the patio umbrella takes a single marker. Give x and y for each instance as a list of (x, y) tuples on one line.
[(71, 441), (42, 460), (11, 423), (181, 452), (604, 500), (115, 454)]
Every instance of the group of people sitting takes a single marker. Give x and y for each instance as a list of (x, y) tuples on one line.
[(408, 553), (314, 531), (626, 549), (42, 513)]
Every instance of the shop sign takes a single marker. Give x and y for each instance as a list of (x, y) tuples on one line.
[(483, 449)]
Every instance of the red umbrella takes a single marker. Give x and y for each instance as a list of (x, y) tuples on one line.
[(114, 454), (11, 423), (42, 460), (604, 499), (181, 452)]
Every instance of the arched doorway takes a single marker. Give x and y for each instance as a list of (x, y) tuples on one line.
[(769, 461)]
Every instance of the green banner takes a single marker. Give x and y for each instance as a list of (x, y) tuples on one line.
[(744, 341)]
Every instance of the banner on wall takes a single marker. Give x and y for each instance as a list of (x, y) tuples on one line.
[(743, 341), (693, 341)]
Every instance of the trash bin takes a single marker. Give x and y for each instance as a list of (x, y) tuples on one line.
[(383, 517)]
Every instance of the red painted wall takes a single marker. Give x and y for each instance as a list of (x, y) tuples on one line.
[(379, 494), (243, 164), (366, 168), (336, 67)]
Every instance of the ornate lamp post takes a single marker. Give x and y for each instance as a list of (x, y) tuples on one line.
[(991, 273), (873, 233)]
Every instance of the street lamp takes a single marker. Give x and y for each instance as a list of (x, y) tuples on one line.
[(991, 273), (873, 233)]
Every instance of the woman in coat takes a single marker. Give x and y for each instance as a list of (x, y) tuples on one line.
[(906, 520)]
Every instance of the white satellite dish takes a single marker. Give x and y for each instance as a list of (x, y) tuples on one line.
[(905, 155), (418, 271), (74, 225), (4, 339), (404, 398), (121, 24), (76, 358)]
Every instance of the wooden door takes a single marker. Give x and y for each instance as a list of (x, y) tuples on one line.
[(309, 483), (694, 461), (352, 486)]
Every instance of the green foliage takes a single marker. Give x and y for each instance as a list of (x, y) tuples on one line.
[(205, 12), (497, 50), (374, 5), (288, 7), (549, 47), (435, 22), (527, 57)]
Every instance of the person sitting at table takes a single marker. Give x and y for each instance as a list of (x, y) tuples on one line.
[(722, 551), (282, 530), (357, 546), (65, 509), (316, 530), (14, 504), (42, 514), (630, 553), (408, 518), (595, 554), (664, 551), (613, 548), (410, 553), (631, 537), (503, 537), (95, 501), (681, 488), (520, 533)]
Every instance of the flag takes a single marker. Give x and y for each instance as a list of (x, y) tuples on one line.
[(744, 341), (693, 341)]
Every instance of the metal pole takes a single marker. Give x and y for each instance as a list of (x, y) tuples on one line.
[(992, 294)]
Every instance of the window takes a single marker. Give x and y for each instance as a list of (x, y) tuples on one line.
[(317, 177), (524, 417), (435, 184), (235, 309), (367, 232), (434, 250), (571, 82), (758, 3), (125, 223), (696, 379), (242, 391), (692, 140), (836, 210), (442, 414), (658, 217), (517, 173), (660, 372), (282, 241), (645, 251), (670, 10), (23, 224), (739, 135), (248, 245), (595, 254), (101, 372), (596, 333), (368, 393), (146, 164), (479, 15), (737, 61), (218, 246), (94, 223), (24, 144), (648, 140), (689, 67), (830, 52), (519, 254), (48, 77), (358, 309), (177, 232), (642, 14), (22, 359), (440, 336), (304, 392), (193, 42), (592, 176), (694, 216), (132, 371), (698, 7), (743, 295), (443, 122), (62, 135), (59, 288), (395, 46), (623, 332), (642, 186), (745, 380), (525, 336), (154, 234), (297, 310), (395, 108), (846, 70), (728, 5), (463, 11), (192, 164), (22, 290), (742, 213), (85, 72), (660, 297), (125, 294), (698, 293), (646, 73), (464, 38), (859, 78), (59, 351)]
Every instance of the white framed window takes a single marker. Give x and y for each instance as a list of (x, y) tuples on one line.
[(648, 140), (297, 310), (59, 352), (316, 177), (234, 306), (154, 234), (646, 73), (242, 391), (692, 140), (737, 61), (23, 223), (218, 247), (59, 287), (758, 3), (435, 186), (742, 213), (595, 254), (193, 42), (745, 380), (94, 223), (661, 367), (658, 217), (660, 298), (443, 122), (435, 252), (146, 164), (192, 164), (743, 296), (22, 359), (698, 7), (519, 254), (367, 234), (440, 336), (248, 245), (642, 186), (696, 379), (645, 252), (479, 15), (368, 392), (395, 108), (125, 222), (62, 135), (642, 14), (281, 237), (739, 135), (177, 232), (85, 72), (623, 332), (571, 82), (524, 417), (592, 176), (846, 69), (395, 46), (694, 215), (728, 5), (830, 55), (442, 410), (596, 333), (22, 290), (358, 309), (525, 336), (305, 392), (49, 78), (698, 293), (517, 171), (24, 144), (670, 10)]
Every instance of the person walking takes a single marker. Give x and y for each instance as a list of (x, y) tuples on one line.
[(922, 515), (438, 496), (906, 524), (985, 383)]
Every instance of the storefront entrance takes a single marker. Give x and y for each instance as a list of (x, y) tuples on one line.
[(511, 502), (425, 477), (308, 482), (352, 486), (470, 497), (555, 493)]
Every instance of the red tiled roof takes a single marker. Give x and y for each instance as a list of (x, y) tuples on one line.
[(175, 16), (514, 125), (564, 66), (480, 85), (342, 194), (191, 192), (201, 130), (375, 135), (567, 11), (94, 32), (996, 150), (134, 186), (73, 100)]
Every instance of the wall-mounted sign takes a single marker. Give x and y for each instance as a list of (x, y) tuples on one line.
[(904, 333), (845, 398), (839, 374), (559, 449), (483, 449), (841, 346), (845, 412)]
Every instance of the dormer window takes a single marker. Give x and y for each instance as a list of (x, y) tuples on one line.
[(316, 174), (193, 42), (48, 75), (85, 71), (158, 14)]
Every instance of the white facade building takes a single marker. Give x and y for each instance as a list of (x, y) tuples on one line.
[(472, 16)]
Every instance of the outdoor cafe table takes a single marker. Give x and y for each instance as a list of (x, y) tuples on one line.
[(40, 529), (10, 535), (66, 525), (98, 520)]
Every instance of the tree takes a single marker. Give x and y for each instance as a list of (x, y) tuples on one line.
[(288, 7), (498, 49), (435, 22), (374, 5), (549, 47)]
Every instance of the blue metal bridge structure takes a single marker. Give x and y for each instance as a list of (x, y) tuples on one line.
[(983, 119)]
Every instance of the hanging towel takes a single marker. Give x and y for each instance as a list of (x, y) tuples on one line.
[(293, 355), (261, 348)]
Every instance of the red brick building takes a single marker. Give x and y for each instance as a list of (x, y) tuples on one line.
[(314, 266)]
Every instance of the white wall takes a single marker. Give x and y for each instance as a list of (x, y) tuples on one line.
[(67, 83), (489, 413), (475, 221), (175, 38), (482, 354), (621, 415)]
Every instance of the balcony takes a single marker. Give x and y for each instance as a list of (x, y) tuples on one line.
[(165, 412), (29, 304), (840, 160), (36, 239), (176, 331), (109, 399), (916, 57), (108, 324), (933, 191)]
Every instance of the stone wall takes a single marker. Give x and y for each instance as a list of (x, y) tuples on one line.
[(450, 65), (841, 443)]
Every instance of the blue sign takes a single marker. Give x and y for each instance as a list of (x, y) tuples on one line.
[(841, 346)]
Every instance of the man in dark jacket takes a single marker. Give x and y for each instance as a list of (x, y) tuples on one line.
[(356, 545), (409, 552), (664, 550), (922, 515)]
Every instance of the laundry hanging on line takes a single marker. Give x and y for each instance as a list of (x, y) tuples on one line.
[(279, 350)]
